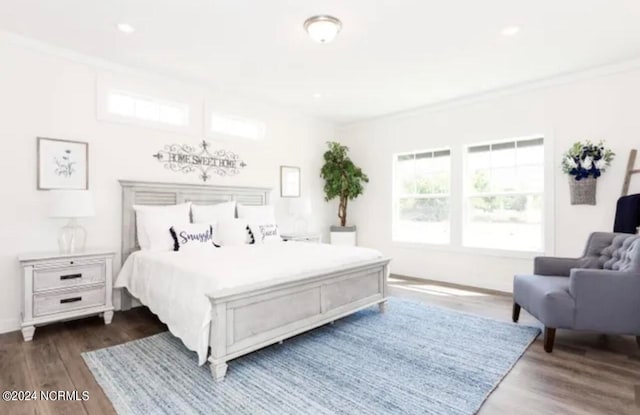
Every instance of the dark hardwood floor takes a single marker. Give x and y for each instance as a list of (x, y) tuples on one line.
[(585, 374)]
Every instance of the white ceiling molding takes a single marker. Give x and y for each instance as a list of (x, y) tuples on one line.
[(100, 63), (93, 61), (388, 59), (564, 79)]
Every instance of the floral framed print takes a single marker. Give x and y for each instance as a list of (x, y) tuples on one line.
[(289, 181), (62, 164)]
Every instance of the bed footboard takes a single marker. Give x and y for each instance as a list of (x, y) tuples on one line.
[(246, 321)]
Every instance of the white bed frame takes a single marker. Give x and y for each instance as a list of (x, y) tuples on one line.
[(247, 319)]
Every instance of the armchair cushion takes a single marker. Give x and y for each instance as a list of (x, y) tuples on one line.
[(601, 245), (546, 297), (606, 300), (624, 254)]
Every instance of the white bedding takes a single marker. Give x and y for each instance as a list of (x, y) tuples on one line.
[(174, 285)]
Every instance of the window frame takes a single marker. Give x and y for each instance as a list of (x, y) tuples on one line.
[(215, 135), (158, 101), (467, 195), (106, 84), (457, 199), (396, 195)]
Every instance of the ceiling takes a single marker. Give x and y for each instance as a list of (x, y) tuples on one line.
[(392, 55)]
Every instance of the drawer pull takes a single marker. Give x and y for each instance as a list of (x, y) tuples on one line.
[(70, 300), (70, 276)]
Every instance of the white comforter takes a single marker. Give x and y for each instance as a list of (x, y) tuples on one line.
[(175, 285)]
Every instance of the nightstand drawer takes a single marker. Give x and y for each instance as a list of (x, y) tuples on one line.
[(55, 278), (61, 301)]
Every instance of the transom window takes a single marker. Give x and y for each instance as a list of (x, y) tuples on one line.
[(422, 186), (148, 109), (236, 127), (504, 195)]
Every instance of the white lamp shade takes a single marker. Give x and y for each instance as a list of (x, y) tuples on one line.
[(300, 206), (71, 204)]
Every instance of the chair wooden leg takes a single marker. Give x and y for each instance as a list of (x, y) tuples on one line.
[(516, 312), (549, 339)]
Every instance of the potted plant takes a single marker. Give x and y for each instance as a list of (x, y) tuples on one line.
[(584, 162), (345, 181)]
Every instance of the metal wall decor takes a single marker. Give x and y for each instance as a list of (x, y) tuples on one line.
[(187, 159)]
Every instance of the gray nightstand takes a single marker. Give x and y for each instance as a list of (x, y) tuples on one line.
[(64, 286), (303, 237)]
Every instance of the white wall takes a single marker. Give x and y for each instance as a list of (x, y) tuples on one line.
[(603, 107), (43, 94)]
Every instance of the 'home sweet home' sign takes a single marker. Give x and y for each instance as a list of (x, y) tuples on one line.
[(186, 159)]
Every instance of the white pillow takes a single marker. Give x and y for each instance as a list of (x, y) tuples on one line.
[(262, 223), (153, 223), (213, 213), (264, 233), (193, 237), (257, 214), (232, 232)]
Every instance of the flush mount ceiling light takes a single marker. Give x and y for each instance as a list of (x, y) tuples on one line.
[(510, 31), (125, 28), (323, 28)]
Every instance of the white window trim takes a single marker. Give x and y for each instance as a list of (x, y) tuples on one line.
[(216, 135), (470, 250), (211, 107), (106, 84), (466, 194), (458, 175), (155, 100), (395, 196)]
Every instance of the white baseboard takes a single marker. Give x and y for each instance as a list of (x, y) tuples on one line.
[(9, 324)]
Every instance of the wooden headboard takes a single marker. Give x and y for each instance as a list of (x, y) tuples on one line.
[(151, 193)]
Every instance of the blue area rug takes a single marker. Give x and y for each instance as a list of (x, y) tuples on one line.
[(413, 359)]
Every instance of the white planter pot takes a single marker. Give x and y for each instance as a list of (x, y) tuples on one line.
[(343, 235)]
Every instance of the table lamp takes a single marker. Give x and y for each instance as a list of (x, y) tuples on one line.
[(71, 204), (300, 209)]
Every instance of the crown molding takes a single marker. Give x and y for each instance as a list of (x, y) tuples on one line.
[(102, 64), (519, 88), (542, 83), (88, 60)]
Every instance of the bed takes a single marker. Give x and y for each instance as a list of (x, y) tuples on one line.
[(240, 299)]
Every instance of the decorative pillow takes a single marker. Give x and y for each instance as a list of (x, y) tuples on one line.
[(153, 222), (262, 223), (192, 237), (232, 232), (264, 233), (213, 213)]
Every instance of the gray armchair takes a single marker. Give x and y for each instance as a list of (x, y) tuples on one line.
[(599, 291)]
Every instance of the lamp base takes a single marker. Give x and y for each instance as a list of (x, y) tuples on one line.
[(72, 237), (301, 225)]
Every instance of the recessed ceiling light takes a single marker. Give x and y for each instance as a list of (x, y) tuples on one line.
[(323, 28), (510, 31), (125, 28), (317, 95)]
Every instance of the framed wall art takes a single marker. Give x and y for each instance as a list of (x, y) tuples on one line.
[(62, 164), (289, 181)]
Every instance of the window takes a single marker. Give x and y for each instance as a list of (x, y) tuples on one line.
[(504, 189), (232, 126), (126, 104), (421, 188)]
